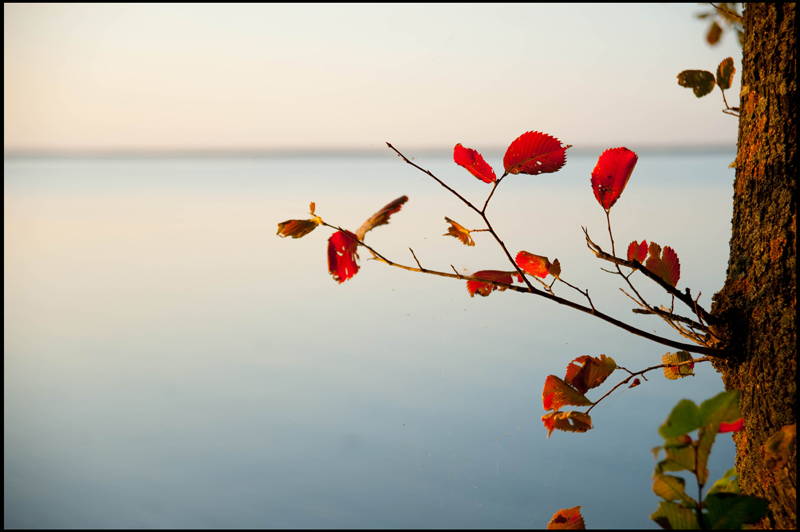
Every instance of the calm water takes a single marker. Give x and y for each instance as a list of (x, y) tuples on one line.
[(170, 362)]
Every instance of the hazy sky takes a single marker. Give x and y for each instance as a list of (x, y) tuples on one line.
[(162, 77)]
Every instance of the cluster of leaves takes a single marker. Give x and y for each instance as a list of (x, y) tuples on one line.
[(702, 82), (583, 374), (724, 507)]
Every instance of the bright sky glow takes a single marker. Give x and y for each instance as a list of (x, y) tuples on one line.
[(228, 77)]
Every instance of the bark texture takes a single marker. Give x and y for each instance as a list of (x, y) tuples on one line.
[(758, 302)]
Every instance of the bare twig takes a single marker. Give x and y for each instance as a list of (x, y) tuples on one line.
[(417, 261), (600, 254), (459, 196)]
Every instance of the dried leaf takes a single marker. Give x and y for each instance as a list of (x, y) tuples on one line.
[(459, 231), (533, 264), (554, 269), (312, 207), (474, 163), (535, 153), (611, 174), (714, 33), (677, 372), (780, 448), (567, 519), (725, 72), (567, 421), (666, 265), (557, 393), (636, 382), (484, 289), (296, 228), (700, 81), (637, 251), (342, 255), (381, 217), (591, 373)]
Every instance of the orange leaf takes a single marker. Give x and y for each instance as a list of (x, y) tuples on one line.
[(557, 393), (569, 519), (637, 251), (593, 373), (474, 163), (535, 153), (296, 228), (342, 255), (666, 265), (567, 421), (533, 264), (381, 217), (459, 231), (611, 174), (484, 289)]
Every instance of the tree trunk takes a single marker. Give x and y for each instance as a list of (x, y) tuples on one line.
[(758, 301)]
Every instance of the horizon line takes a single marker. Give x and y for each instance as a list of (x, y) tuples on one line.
[(321, 151)]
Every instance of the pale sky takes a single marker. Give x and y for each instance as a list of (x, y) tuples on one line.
[(101, 77)]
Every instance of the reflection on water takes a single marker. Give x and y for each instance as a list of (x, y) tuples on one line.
[(170, 362)]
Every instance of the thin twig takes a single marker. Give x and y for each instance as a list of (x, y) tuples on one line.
[(642, 372), (600, 254), (459, 196), (415, 258)]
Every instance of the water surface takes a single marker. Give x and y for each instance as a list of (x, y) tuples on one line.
[(170, 362)]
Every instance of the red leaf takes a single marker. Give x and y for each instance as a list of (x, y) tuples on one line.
[(636, 382), (533, 264), (611, 174), (736, 426), (637, 251), (666, 265), (567, 519), (484, 289), (342, 255), (381, 217), (474, 163), (535, 153)]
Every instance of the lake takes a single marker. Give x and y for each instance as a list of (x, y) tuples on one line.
[(171, 362)]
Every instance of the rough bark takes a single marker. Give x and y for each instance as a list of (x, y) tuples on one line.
[(758, 301)]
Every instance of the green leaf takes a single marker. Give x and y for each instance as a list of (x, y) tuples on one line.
[(705, 440), (723, 407), (725, 72), (685, 417), (729, 512), (672, 488), (671, 516), (700, 81), (729, 483), (678, 459)]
